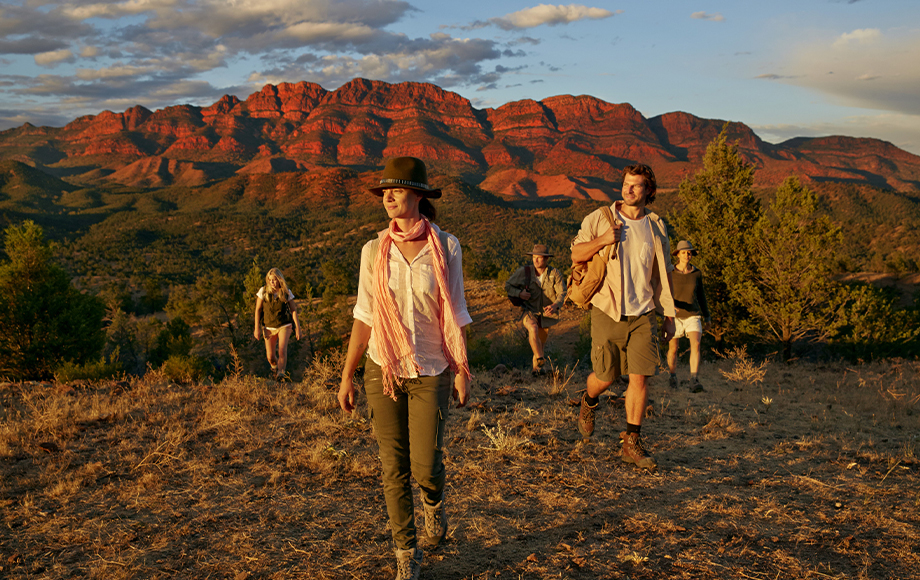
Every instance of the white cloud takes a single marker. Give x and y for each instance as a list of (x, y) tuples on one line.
[(113, 72), (706, 16), (864, 68), (53, 58), (861, 36), (116, 9), (551, 15), (309, 32), (445, 62)]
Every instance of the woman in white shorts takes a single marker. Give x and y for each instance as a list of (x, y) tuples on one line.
[(690, 300), (276, 319)]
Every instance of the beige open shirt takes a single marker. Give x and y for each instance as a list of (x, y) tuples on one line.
[(610, 296)]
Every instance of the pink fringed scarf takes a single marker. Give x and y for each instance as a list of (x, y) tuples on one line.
[(396, 353)]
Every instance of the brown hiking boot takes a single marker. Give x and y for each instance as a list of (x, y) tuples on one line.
[(586, 418), (435, 521), (695, 386), (408, 563), (633, 451), (672, 381)]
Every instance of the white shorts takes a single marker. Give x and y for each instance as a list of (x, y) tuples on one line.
[(684, 326)]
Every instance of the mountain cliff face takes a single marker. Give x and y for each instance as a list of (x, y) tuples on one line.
[(566, 145)]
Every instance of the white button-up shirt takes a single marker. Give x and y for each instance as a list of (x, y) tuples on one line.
[(417, 298)]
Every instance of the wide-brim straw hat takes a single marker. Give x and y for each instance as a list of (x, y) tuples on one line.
[(539, 250), (407, 172), (684, 245)]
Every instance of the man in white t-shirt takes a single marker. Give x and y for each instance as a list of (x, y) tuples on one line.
[(624, 329)]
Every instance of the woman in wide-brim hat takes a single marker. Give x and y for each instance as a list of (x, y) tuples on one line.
[(690, 301), (410, 317)]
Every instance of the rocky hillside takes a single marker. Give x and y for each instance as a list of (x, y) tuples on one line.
[(573, 146)]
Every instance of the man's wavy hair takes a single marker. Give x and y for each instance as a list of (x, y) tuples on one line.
[(646, 172)]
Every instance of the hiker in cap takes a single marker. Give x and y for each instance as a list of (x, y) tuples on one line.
[(690, 300), (275, 321), (410, 317), (539, 290), (624, 328)]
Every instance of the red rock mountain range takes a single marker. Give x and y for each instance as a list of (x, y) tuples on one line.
[(566, 145)]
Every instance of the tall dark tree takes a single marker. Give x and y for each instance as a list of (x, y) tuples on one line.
[(719, 213), (792, 290), (45, 321)]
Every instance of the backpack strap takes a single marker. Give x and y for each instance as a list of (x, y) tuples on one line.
[(612, 221)]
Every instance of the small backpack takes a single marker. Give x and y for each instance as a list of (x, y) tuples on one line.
[(588, 277), (517, 300)]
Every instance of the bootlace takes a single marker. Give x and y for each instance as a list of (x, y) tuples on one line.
[(434, 522), (639, 446), (406, 568)]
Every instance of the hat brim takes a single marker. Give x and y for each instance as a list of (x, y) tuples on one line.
[(430, 193), (692, 252), (533, 254)]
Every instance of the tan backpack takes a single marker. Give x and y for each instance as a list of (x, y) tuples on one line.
[(588, 277)]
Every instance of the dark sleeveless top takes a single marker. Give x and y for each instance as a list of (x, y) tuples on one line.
[(275, 311)]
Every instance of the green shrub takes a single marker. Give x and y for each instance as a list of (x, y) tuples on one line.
[(44, 319), (583, 346), (500, 280), (89, 371), (510, 349), (186, 368)]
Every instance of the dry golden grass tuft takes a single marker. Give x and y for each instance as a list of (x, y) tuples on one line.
[(248, 478), (743, 370)]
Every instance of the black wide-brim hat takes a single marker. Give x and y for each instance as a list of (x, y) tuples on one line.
[(408, 172)]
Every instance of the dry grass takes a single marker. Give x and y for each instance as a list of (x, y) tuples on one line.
[(254, 479)]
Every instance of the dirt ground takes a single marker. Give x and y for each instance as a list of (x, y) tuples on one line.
[(775, 471)]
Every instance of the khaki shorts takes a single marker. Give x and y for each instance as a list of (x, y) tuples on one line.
[(625, 347)]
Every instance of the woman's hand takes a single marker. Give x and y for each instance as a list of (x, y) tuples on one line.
[(461, 389), (256, 334), (347, 395), (297, 333)]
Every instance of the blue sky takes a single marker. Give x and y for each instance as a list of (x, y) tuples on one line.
[(785, 68)]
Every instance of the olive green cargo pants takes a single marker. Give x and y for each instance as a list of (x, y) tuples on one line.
[(410, 435)]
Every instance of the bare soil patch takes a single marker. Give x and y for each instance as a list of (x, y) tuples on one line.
[(805, 471)]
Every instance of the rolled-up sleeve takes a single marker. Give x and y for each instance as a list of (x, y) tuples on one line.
[(588, 230), (455, 280), (364, 307)]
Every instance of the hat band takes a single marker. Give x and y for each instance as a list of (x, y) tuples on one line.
[(414, 184)]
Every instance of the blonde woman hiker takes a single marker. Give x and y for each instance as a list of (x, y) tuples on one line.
[(410, 317), (692, 311), (540, 290), (275, 320)]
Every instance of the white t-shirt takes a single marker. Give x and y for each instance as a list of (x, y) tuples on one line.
[(261, 293), (637, 251)]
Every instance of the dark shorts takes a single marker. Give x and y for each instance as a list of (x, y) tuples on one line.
[(624, 347)]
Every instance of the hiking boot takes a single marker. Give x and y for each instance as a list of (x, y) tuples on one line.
[(586, 418), (435, 521), (695, 386), (672, 381), (408, 563), (633, 451), (538, 363)]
